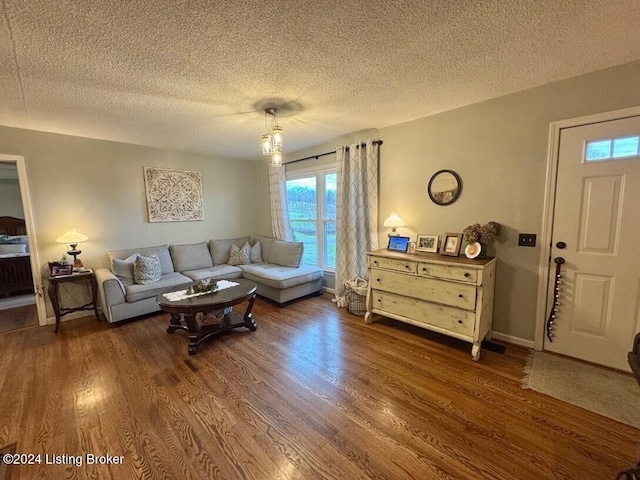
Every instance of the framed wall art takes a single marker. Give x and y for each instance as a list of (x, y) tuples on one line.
[(173, 195), (451, 244), (427, 243)]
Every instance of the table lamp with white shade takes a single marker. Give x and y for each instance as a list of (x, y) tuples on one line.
[(73, 238), (393, 221)]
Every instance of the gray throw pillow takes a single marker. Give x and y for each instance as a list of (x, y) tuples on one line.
[(265, 246), (190, 257), (256, 253), (287, 254), (146, 269), (124, 268)]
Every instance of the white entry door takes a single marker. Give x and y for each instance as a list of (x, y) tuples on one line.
[(597, 216)]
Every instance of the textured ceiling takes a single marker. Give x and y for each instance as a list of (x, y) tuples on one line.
[(192, 75)]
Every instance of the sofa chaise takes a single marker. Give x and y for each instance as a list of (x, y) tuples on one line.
[(274, 266)]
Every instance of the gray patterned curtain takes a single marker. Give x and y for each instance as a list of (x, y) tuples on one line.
[(357, 212)]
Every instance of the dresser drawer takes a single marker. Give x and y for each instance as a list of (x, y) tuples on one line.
[(393, 264), (448, 318), (423, 288), (463, 274)]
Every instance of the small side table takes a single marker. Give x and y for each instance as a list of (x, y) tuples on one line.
[(77, 277)]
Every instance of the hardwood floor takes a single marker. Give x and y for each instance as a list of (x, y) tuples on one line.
[(313, 393)]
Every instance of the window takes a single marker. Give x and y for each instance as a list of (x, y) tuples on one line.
[(311, 203), (612, 149)]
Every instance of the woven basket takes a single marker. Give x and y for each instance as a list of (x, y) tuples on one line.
[(357, 303), (356, 296)]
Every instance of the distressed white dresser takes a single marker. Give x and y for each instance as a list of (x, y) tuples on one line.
[(449, 295)]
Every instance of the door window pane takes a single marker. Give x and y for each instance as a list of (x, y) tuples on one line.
[(598, 150), (612, 149), (625, 147)]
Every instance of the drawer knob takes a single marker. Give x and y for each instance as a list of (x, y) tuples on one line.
[(424, 269), (460, 321), (466, 274), (377, 279), (379, 300), (407, 266), (460, 295)]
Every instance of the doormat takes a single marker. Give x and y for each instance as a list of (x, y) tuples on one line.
[(609, 393), (4, 467)]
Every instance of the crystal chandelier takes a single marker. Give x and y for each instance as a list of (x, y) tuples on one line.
[(272, 142)]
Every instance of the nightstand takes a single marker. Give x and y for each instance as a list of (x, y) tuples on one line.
[(79, 277)]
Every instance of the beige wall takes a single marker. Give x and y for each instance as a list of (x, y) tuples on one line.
[(98, 187), (499, 148), (10, 201)]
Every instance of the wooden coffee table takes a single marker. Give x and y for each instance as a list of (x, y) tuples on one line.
[(190, 314)]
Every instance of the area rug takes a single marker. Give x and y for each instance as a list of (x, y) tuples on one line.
[(609, 393), (4, 467)]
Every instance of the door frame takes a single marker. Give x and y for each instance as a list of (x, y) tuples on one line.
[(546, 236), (33, 243)]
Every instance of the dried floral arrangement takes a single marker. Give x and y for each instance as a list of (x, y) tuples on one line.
[(484, 234), (203, 287)]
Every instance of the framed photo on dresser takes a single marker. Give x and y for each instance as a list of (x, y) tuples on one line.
[(451, 244), (427, 243)]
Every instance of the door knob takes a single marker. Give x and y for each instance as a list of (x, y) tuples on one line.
[(561, 245), (559, 260)]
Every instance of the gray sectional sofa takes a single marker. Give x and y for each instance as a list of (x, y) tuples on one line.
[(275, 268)]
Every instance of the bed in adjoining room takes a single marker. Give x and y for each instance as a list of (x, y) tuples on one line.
[(15, 262)]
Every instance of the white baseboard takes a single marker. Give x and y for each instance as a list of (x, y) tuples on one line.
[(328, 290), (71, 316), (511, 339)]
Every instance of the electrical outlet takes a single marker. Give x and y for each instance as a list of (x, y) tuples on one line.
[(527, 240)]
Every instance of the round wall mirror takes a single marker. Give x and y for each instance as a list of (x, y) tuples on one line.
[(444, 187)]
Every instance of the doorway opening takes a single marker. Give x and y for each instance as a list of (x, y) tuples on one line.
[(21, 295)]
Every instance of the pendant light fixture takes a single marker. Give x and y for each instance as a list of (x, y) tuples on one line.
[(272, 142)]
